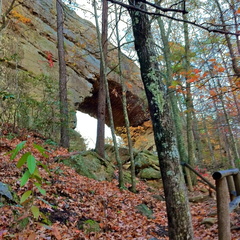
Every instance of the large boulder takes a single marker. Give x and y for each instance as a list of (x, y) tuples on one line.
[(89, 164), (149, 173)]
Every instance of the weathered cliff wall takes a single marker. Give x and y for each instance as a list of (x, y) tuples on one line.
[(31, 34)]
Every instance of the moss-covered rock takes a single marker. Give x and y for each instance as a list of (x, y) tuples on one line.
[(89, 164), (89, 225), (145, 210), (123, 152), (145, 159), (76, 141), (149, 173)]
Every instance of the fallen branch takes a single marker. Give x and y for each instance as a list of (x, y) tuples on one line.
[(199, 198)]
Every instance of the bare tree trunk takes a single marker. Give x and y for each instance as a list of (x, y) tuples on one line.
[(196, 134), (227, 145), (4, 15), (234, 96), (189, 102), (233, 55), (179, 217), (229, 139), (234, 146), (103, 55), (210, 147), (124, 100), (1, 8), (101, 113), (64, 141)]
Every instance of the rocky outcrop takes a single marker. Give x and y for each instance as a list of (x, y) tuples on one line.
[(31, 34), (89, 164), (38, 39)]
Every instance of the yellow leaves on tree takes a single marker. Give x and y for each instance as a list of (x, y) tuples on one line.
[(20, 17), (137, 134)]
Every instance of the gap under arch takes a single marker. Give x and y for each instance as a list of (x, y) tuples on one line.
[(87, 127)]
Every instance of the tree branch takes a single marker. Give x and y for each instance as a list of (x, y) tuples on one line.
[(164, 9), (4, 16), (134, 8), (148, 3)]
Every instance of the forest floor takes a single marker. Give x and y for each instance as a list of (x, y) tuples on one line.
[(76, 207)]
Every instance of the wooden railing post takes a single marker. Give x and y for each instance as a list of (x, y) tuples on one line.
[(225, 184), (223, 209)]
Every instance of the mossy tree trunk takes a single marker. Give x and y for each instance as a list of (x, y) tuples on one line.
[(173, 98), (179, 217)]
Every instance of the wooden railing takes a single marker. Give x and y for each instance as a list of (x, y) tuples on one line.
[(228, 199)]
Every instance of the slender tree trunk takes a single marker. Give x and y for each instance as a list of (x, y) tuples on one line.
[(231, 135), (222, 135), (64, 141), (179, 217), (173, 101), (0, 8), (4, 15), (101, 113), (189, 103), (103, 56), (227, 149), (196, 134), (233, 56), (230, 139), (233, 143), (234, 96), (210, 147), (124, 100)]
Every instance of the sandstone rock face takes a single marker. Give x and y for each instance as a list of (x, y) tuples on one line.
[(36, 43)]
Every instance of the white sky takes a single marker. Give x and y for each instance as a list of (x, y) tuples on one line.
[(85, 14), (87, 127)]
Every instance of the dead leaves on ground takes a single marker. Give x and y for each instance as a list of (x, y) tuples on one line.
[(72, 198)]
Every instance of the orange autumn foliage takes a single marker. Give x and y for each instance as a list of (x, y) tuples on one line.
[(20, 17)]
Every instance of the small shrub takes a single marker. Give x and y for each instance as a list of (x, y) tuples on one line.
[(31, 172)]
